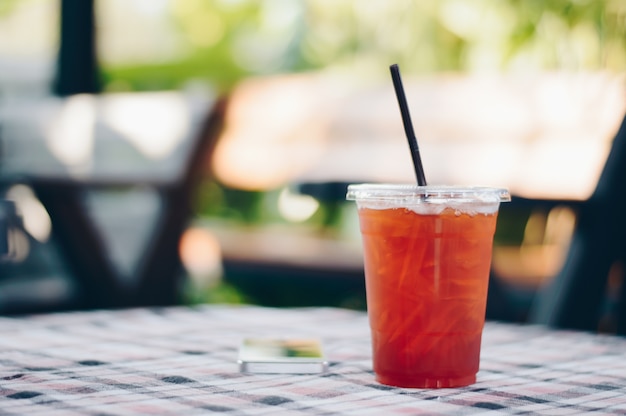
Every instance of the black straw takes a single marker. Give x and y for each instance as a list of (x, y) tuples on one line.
[(408, 126)]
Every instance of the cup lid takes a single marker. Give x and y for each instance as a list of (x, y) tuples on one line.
[(408, 193)]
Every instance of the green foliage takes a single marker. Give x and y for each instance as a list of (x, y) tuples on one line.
[(556, 25), (7, 6), (219, 201), (220, 293), (229, 40)]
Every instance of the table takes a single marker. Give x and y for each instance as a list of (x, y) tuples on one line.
[(182, 360), (116, 174)]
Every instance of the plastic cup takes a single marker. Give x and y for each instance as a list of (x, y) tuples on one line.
[(427, 255)]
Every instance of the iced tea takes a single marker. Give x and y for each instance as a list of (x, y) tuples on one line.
[(427, 270)]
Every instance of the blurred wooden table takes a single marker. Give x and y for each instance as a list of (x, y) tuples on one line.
[(66, 149)]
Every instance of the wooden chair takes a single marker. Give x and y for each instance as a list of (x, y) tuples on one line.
[(589, 292)]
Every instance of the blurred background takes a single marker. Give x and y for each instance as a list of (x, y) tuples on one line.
[(307, 83)]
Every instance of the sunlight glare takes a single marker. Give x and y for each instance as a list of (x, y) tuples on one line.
[(34, 216), (70, 135), (296, 208), (154, 126)]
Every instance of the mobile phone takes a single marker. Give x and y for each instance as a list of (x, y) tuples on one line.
[(282, 355)]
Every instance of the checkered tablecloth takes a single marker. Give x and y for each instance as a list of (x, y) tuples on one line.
[(182, 361)]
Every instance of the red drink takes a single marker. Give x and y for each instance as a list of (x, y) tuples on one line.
[(427, 271)]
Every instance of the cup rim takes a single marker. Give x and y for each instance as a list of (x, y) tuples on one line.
[(426, 194)]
